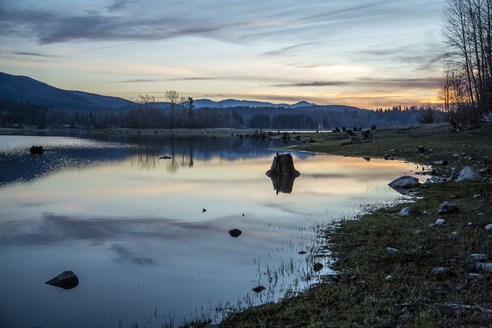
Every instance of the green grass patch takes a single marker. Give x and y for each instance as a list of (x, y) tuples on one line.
[(361, 295)]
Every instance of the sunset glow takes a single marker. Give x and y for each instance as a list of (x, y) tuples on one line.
[(363, 53)]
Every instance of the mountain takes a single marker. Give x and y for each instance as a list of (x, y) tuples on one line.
[(231, 103), (25, 89)]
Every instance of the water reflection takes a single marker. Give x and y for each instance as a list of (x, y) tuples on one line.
[(62, 152), (131, 225)]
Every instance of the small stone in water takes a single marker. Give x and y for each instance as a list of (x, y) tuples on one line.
[(317, 267), (302, 252), (259, 289), (235, 233)]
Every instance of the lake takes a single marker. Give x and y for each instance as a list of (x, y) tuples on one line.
[(148, 237)]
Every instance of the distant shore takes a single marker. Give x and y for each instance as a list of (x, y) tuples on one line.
[(125, 131)]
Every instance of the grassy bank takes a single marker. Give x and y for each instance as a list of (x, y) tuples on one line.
[(377, 288)]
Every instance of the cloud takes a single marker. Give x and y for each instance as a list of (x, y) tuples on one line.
[(312, 84), (54, 229), (288, 49), (127, 255), (120, 4), (231, 21), (33, 54), (412, 83)]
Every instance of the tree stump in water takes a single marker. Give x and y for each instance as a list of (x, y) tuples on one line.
[(283, 173)]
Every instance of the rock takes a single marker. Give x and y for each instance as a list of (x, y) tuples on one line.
[(425, 212), (301, 252), (317, 267), (475, 276), (479, 257), (165, 157), (440, 221), (432, 225), (211, 325), (392, 250), (235, 233), (403, 183), (204, 210), (483, 266), (258, 289), (448, 208), (65, 280), (366, 135), (469, 174), (454, 234), (439, 270), (418, 232), (389, 277), (421, 149), (409, 211), (441, 163), (476, 196), (36, 150), (368, 159), (488, 227)]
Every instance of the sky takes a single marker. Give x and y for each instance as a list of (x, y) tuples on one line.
[(363, 53)]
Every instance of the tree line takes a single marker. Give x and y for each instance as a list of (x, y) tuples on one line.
[(147, 114)]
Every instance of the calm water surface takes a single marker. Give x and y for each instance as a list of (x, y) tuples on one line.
[(131, 226)]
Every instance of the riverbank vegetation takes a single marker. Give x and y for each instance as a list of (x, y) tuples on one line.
[(432, 280)]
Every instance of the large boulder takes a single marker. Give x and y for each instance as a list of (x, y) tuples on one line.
[(469, 174), (403, 183), (65, 280), (410, 211), (448, 208)]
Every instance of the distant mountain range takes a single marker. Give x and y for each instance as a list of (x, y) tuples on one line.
[(23, 89)]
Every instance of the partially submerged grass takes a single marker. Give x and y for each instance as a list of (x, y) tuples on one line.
[(362, 293)]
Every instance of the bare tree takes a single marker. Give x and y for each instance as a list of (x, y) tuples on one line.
[(173, 97), (467, 31)]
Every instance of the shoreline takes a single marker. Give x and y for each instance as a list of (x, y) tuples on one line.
[(432, 280)]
